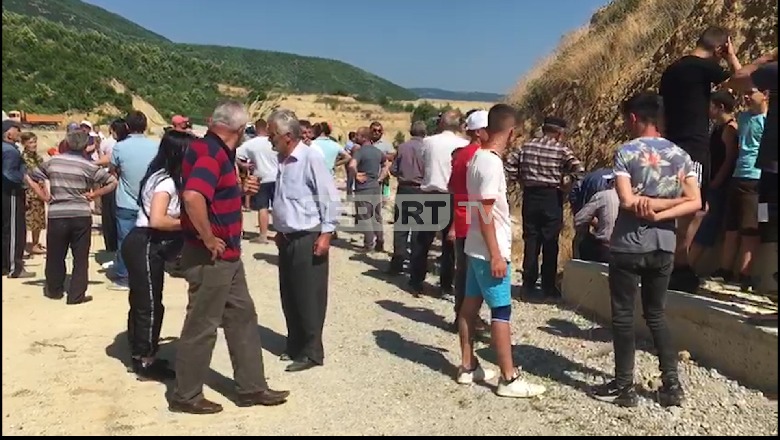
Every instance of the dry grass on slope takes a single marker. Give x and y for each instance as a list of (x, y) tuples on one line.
[(624, 50)]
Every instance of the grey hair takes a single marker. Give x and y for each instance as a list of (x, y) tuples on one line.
[(451, 120), (286, 123), (77, 140), (231, 114), (419, 129)]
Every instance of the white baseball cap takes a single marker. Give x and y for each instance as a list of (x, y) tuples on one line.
[(477, 120)]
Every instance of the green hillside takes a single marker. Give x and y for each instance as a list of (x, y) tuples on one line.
[(60, 55), (82, 16)]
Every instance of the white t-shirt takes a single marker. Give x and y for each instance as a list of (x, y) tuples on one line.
[(107, 145), (437, 159), (261, 152), (158, 182), (485, 181)]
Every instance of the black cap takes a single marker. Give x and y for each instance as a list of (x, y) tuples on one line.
[(555, 122), (9, 124)]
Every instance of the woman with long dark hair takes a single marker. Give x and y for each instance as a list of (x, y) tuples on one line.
[(155, 239), (117, 133)]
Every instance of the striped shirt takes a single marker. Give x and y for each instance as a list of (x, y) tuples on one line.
[(604, 207), (209, 169), (543, 162), (70, 176)]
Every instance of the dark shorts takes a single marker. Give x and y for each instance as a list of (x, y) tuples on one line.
[(742, 206), (712, 224), (264, 197), (701, 166), (767, 194)]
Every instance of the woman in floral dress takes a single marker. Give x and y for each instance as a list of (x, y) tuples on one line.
[(36, 208)]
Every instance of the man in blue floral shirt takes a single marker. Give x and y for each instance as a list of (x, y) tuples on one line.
[(656, 182)]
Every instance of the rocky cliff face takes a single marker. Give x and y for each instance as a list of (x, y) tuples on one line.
[(624, 50)]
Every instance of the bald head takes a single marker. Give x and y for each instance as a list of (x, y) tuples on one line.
[(363, 135), (450, 120)]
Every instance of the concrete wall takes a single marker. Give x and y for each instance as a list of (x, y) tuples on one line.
[(713, 331)]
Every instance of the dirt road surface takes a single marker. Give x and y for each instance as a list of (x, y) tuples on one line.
[(389, 368)]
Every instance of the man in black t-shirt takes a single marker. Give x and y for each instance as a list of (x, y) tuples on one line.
[(686, 86)]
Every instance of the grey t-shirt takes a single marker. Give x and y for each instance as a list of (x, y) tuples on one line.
[(369, 160), (765, 78), (656, 168)]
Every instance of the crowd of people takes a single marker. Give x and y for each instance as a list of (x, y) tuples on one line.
[(182, 200)]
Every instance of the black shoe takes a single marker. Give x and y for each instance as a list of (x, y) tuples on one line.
[(54, 296), (380, 246), (157, 371), (722, 276), (417, 290), (285, 357), (684, 279), (611, 392), (300, 365), (745, 283), (22, 275), (262, 398), (201, 407), (671, 394), (552, 294), (84, 300)]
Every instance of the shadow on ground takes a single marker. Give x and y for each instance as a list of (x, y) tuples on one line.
[(417, 314), (42, 282), (426, 355), (545, 363), (272, 259), (120, 350), (567, 329)]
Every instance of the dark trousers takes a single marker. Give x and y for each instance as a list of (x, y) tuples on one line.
[(591, 249), (403, 235), (461, 269), (767, 193), (421, 246), (626, 271), (108, 220), (542, 222), (218, 297), (14, 230), (63, 234), (303, 284), (146, 274)]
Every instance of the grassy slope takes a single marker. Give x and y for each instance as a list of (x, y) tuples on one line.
[(624, 50)]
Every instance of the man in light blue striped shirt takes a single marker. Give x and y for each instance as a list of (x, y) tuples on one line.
[(306, 209)]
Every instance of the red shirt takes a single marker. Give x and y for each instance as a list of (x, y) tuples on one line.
[(209, 168), (457, 186)]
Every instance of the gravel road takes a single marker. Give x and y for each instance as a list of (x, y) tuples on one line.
[(389, 368)]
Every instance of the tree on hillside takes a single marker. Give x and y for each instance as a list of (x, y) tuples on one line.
[(430, 114), (399, 139)]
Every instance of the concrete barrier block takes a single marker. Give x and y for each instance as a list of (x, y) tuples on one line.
[(714, 331)]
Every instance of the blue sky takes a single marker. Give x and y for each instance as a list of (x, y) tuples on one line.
[(476, 45)]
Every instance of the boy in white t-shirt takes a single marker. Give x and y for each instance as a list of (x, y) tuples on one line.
[(489, 246)]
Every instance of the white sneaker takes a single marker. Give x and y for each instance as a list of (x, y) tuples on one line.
[(478, 375), (519, 389)]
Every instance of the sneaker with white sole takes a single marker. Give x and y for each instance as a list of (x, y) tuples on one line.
[(519, 389), (478, 374)]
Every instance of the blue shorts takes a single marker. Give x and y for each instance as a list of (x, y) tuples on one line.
[(497, 292)]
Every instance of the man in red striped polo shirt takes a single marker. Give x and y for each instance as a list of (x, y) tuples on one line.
[(218, 292)]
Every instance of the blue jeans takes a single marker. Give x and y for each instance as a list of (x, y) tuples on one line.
[(125, 222)]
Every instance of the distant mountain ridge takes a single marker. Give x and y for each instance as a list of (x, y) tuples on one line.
[(434, 93)]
